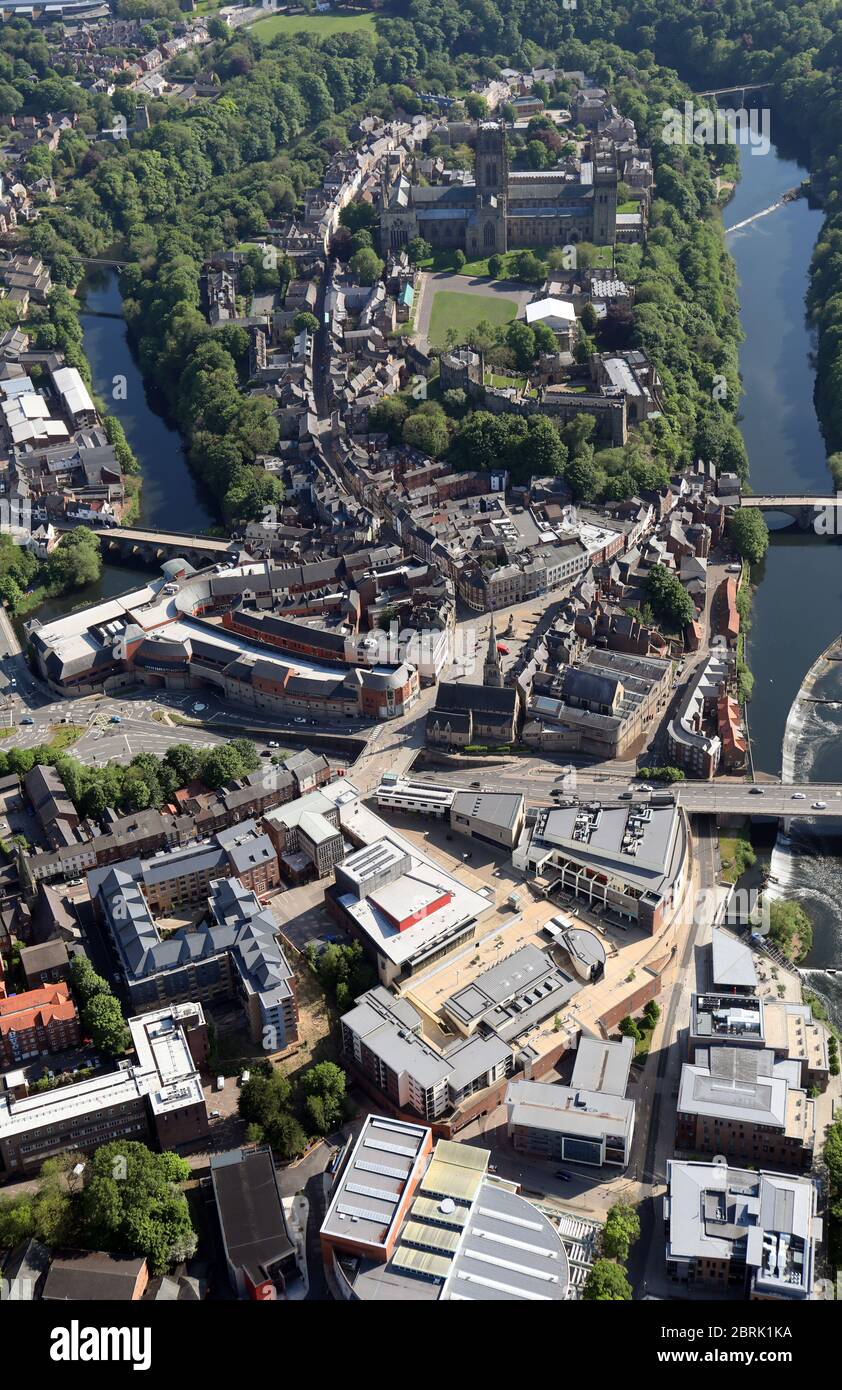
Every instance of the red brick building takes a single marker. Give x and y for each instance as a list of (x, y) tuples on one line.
[(42, 1020)]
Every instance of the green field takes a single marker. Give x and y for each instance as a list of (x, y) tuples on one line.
[(464, 311), (321, 24)]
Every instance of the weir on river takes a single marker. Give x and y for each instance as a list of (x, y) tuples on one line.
[(790, 628)]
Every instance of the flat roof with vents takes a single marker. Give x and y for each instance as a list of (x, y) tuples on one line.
[(368, 1194)]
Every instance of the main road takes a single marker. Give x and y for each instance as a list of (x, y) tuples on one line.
[(546, 783)]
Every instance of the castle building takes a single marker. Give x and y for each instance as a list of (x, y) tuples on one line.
[(504, 207)]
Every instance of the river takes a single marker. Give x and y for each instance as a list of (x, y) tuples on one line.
[(170, 498), (797, 608)]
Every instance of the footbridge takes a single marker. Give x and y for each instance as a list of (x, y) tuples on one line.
[(739, 89)]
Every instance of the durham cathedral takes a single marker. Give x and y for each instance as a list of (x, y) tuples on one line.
[(505, 207)]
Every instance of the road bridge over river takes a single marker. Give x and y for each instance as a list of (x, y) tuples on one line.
[(810, 513), (131, 543), (553, 782)]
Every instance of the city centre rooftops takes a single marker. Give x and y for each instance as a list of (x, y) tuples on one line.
[(637, 841), (445, 1228), (728, 1018), (732, 963), (765, 1220), (512, 995), (603, 1066), (164, 1071), (367, 1201), (748, 1086), (385, 884)]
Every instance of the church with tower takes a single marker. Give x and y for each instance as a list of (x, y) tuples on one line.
[(503, 207)]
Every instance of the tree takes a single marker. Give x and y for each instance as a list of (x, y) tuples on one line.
[(606, 1282), (305, 322), (652, 1011), (589, 319), (76, 560), (131, 1205), (520, 339), (495, 266), (359, 215), (426, 429), (545, 338), (629, 1028), (264, 1097), (621, 1230), (184, 760), (459, 259), (286, 1136), (529, 267), (582, 475), (102, 1017), (85, 982), (670, 601), (388, 415), (537, 155), (476, 106), (419, 250), (366, 266), (324, 1089), (750, 534)]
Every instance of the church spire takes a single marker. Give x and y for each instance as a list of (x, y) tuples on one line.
[(493, 669)]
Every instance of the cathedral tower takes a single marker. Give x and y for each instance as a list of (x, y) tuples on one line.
[(492, 185)]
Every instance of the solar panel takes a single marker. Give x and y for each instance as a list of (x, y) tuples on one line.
[(360, 1190), (383, 1147), (382, 1168), (362, 1213)]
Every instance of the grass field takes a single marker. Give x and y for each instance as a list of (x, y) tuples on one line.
[(464, 311), (321, 24)]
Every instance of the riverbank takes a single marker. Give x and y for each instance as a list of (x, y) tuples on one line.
[(169, 493)]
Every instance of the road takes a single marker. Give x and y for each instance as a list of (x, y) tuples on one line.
[(540, 780), (656, 1110)]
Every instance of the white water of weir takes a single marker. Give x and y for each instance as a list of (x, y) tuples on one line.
[(805, 862)]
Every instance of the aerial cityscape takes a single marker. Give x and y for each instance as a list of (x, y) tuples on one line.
[(420, 652)]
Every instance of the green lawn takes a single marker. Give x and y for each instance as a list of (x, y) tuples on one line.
[(498, 379), (321, 24), (464, 311)]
